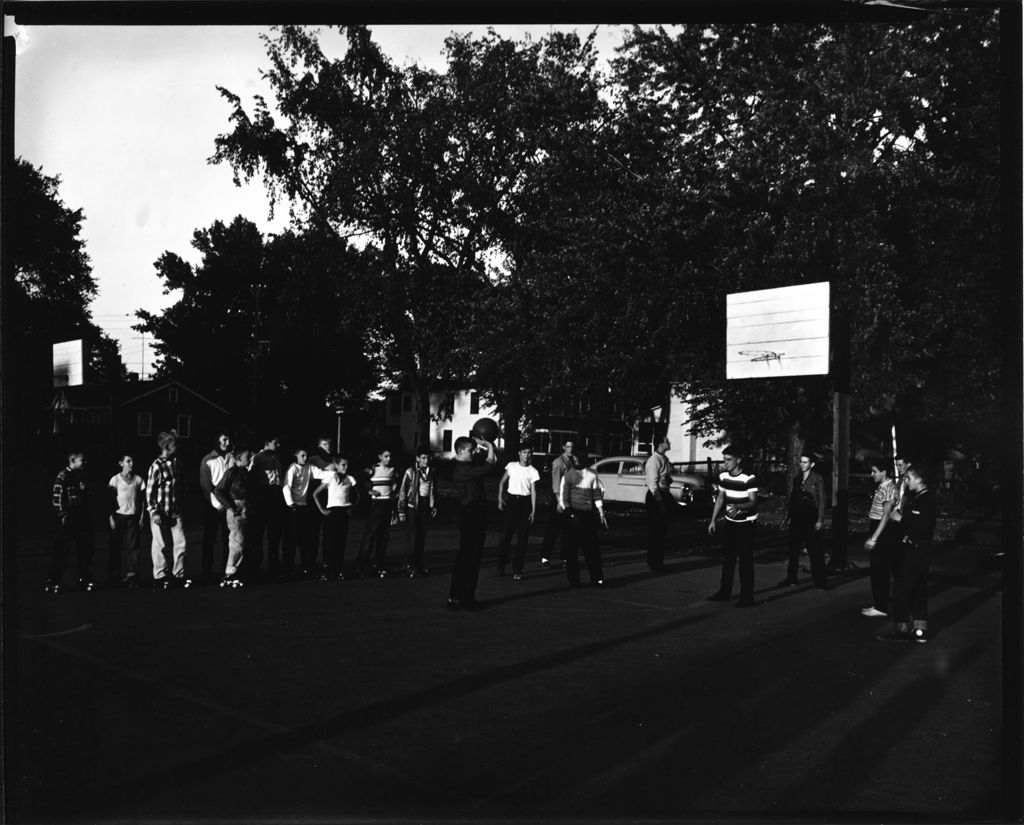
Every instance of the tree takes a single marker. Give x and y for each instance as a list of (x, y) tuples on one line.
[(471, 189), (247, 292), (862, 154), (364, 151), (53, 282)]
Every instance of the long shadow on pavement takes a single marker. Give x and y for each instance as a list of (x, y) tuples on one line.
[(252, 752)]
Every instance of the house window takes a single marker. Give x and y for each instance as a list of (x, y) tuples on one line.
[(446, 441), (144, 424), (394, 403), (184, 427), (172, 395), (406, 403), (474, 403)]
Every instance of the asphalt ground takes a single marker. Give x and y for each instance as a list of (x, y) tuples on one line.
[(366, 700)]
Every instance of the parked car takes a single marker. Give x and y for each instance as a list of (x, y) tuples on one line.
[(626, 483)]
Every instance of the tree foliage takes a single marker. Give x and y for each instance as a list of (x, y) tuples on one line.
[(867, 155), (53, 284), (263, 325), (543, 229)]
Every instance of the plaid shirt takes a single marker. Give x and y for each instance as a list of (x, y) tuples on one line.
[(162, 487), (68, 491)]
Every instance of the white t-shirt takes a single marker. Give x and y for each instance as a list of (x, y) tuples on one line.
[(128, 493), (521, 479), (340, 490)]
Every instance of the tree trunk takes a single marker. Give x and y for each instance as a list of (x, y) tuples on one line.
[(794, 446), (512, 413)]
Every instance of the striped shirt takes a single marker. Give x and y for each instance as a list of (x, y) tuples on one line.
[(383, 482), (68, 490), (886, 491), (581, 490), (162, 487), (737, 489)]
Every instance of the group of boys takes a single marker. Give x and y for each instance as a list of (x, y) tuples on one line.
[(248, 493)]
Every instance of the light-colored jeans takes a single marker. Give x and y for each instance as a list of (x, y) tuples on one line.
[(237, 518), (172, 531)]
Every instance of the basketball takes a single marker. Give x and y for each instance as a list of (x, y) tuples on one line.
[(485, 428)]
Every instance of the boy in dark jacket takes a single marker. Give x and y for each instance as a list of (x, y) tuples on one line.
[(74, 526), (910, 593)]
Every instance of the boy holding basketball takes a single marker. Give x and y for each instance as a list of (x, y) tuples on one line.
[(469, 475)]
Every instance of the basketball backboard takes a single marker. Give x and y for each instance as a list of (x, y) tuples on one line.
[(771, 333)]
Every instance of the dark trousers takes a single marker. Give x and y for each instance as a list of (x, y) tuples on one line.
[(76, 530), (516, 523), (377, 535), (268, 517), (124, 542), (582, 532), (658, 510), (472, 534), (214, 522), (416, 533), (316, 531), (801, 534), (299, 537), (335, 538), (737, 543), (557, 524), (884, 560), (910, 595)]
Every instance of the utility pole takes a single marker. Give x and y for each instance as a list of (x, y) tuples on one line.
[(840, 369)]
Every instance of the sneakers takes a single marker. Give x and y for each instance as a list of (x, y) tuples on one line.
[(86, 585), (53, 587), (517, 577), (131, 582), (545, 563), (872, 611), (719, 597), (232, 581), (919, 632), (788, 582)]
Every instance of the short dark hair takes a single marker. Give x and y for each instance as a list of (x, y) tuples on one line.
[(920, 472), (881, 465), (241, 448), (74, 454), (732, 449), (462, 442), (423, 451)]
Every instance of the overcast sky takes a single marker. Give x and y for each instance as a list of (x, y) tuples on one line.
[(127, 116)]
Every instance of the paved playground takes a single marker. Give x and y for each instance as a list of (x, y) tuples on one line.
[(367, 700)]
